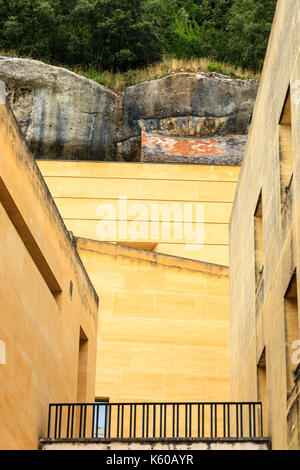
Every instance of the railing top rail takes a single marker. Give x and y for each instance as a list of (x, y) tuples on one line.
[(160, 403)]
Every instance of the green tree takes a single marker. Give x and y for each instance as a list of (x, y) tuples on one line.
[(30, 26), (199, 29), (249, 26), (236, 31), (123, 34), (79, 25)]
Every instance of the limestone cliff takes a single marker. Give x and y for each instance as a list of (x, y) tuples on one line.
[(61, 114), (67, 116)]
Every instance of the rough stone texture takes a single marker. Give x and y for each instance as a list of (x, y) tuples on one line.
[(188, 105), (66, 116), (156, 445), (61, 114), (212, 151)]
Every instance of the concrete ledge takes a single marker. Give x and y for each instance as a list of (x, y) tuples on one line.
[(114, 249), (155, 440), (158, 444)]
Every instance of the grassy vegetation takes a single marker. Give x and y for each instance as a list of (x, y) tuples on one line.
[(120, 81)]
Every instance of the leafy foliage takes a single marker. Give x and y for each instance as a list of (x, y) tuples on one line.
[(249, 24), (119, 35)]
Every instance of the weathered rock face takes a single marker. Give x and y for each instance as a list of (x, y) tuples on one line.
[(217, 150), (188, 105), (63, 115)]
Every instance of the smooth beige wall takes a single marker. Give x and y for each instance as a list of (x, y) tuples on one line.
[(39, 321), (258, 314), (164, 325), (80, 188)]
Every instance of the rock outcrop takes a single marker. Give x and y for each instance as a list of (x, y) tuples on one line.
[(188, 105), (63, 115)]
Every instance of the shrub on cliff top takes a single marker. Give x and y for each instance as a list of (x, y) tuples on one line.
[(119, 35)]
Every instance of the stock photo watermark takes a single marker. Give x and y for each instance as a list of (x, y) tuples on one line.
[(296, 353), (295, 87), (157, 222), (2, 353)]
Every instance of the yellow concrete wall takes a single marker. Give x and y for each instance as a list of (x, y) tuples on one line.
[(257, 317), (80, 187), (39, 322), (164, 325)]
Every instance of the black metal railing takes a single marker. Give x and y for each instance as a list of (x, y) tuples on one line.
[(155, 420)]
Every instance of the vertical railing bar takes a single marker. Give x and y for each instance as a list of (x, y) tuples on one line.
[(59, 426), (49, 421), (122, 421), (177, 421), (160, 422), (130, 416), (216, 420), (55, 423), (72, 421), (241, 420), (84, 420), (228, 418), (261, 420), (237, 420), (254, 420), (93, 420), (143, 429), (134, 421), (105, 420), (203, 425), (109, 422), (165, 421), (154, 420), (198, 420), (173, 423), (80, 421), (186, 420), (118, 422), (68, 422), (97, 421), (147, 421), (250, 420), (190, 429), (211, 421), (224, 420)]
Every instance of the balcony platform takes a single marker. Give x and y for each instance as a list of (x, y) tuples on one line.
[(221, 443)]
